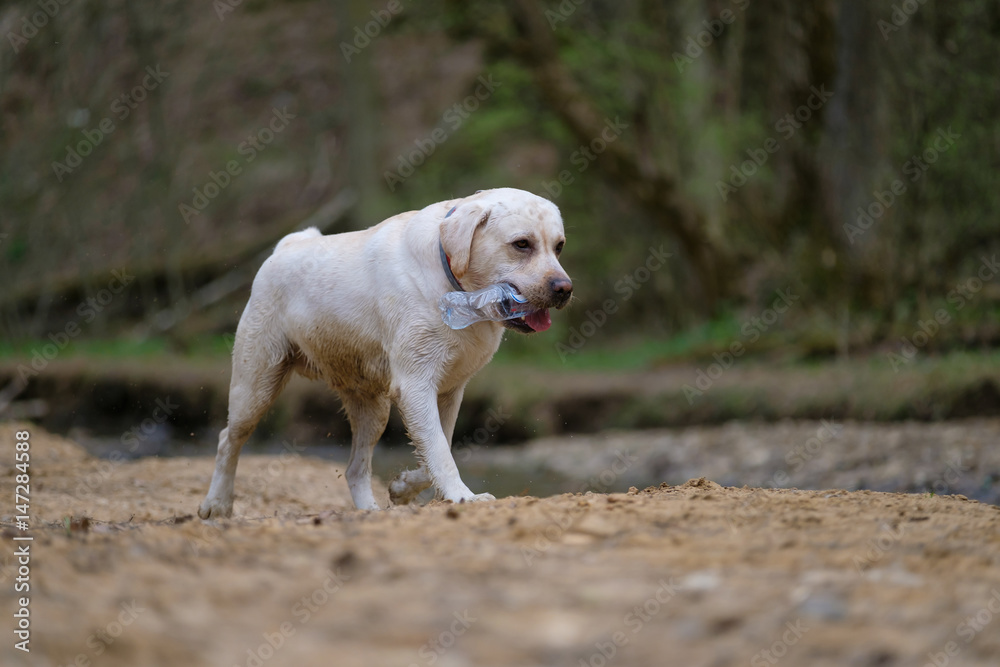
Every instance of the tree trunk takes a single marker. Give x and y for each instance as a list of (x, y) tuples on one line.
[(656, 193)]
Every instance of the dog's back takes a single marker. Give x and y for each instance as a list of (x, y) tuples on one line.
[(310, 233)]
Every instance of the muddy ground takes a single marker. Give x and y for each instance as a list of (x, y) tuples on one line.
[(690, 574)]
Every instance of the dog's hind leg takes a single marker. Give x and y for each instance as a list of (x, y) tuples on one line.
[(260, 372), (368, 416)]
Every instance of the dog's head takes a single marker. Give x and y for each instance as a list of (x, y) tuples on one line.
[(510, 236)]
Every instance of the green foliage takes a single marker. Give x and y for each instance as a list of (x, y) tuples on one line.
[(693, 124)]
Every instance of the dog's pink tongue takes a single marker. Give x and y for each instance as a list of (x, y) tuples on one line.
[(538, 320)]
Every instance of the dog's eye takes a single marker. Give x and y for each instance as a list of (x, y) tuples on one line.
[(559, 247), (522, 244)]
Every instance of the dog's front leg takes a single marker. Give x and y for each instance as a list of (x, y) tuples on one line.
[(418, 404), (410, 483)]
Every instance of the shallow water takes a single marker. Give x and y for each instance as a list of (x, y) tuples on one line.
[(956, 457)]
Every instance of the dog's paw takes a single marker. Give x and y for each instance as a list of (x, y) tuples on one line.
[(405, 488), (477, 498), (401, 494), (215, 509)]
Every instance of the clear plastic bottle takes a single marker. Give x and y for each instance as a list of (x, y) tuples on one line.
[(497, 303)]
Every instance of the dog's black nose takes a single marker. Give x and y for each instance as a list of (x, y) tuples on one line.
[(561, 288), (561, 285)]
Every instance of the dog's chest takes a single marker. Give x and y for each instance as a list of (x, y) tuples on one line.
[(472, 352)]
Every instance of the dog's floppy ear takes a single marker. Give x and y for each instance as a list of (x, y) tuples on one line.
[(457, 231)]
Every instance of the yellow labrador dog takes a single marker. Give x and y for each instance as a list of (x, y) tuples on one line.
[(360, 311)]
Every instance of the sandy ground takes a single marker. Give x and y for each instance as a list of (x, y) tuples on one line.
[(695, 574)]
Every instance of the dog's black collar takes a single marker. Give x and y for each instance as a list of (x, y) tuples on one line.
[(446, 264), (447, 269)]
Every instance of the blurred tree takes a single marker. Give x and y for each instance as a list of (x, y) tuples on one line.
[(361, 112), (702, 85), (655, 190)]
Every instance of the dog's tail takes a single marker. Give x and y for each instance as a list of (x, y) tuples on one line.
[(310, 233)]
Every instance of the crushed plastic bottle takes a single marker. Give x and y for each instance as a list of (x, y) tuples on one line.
[(497, 303)]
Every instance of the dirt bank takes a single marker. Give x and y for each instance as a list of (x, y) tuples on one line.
[(695, 574), (106, 396), (955, 457)]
